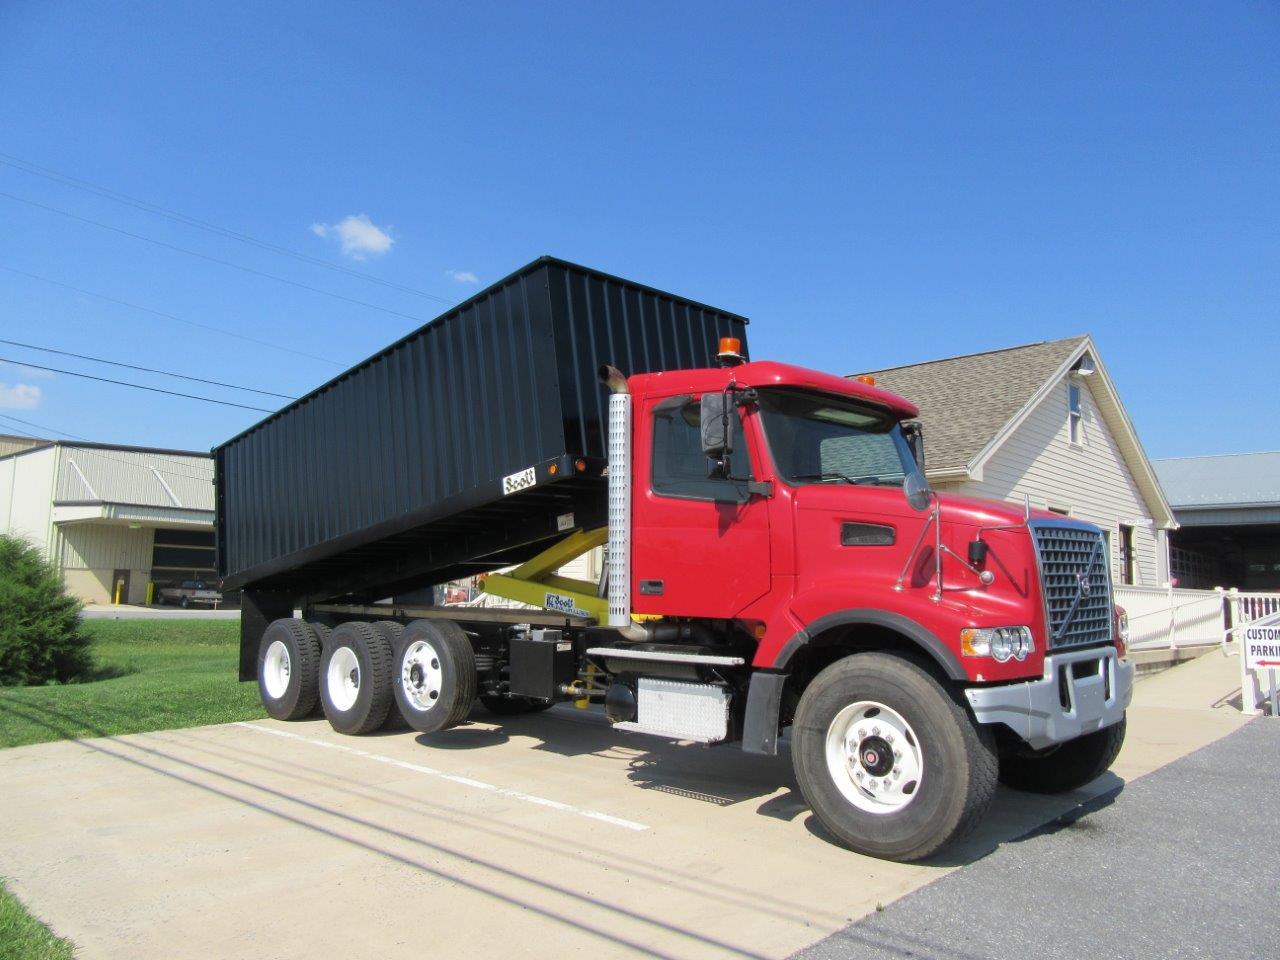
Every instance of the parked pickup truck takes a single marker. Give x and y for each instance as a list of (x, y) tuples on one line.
[(778, 572), (190, 593)]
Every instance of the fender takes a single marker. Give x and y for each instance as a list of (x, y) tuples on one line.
[(764, 696)]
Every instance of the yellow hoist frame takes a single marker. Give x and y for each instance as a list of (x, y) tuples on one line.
[(535, 582)]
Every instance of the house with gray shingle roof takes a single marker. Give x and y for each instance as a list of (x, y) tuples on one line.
[(1043, 421)]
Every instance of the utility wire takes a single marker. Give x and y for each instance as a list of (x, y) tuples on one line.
[(210, 259), (98, 453), (169, 316), (136, 386), (26, 166), (130, 366)]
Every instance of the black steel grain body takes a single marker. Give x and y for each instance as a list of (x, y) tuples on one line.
[(390, 476)]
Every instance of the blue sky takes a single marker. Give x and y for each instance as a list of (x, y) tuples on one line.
[(872, 184)]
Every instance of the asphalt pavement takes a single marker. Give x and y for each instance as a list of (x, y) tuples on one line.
[(1185, 864)]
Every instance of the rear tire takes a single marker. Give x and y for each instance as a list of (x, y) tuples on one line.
[(435, 675), (355, 679), (890, 763), (392, 631), (289, 669), (514, 706), (1067, 766)]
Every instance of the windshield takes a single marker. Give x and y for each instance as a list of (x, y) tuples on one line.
[(823, 439)]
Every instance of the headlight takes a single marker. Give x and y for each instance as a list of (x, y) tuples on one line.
[(999, 643)]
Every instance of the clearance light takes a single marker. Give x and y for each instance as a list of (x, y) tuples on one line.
[(553, 469), (866, 378), (580, 465), (999, 643)]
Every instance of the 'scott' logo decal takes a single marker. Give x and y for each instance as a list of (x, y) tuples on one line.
[(519, 481)]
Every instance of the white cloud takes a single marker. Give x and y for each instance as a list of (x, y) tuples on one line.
[(462, 276), (360, 237), (21, 396)]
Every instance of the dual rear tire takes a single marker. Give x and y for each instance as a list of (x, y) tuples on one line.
[(368, 675)]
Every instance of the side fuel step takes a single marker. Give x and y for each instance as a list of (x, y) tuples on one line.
[(665, 656)]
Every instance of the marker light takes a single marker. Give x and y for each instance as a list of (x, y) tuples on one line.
[(580, 465), (866, 378)]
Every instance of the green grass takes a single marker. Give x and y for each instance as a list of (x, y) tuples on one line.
[(152, 675), (23, 937)]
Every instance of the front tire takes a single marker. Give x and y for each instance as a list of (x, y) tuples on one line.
[(355, 678), (889, 762), (1066, 766), (289, 669)]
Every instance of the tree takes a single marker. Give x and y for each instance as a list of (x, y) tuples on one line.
[(40, 638)]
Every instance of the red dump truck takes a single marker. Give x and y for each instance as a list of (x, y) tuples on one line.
[(777, 569)]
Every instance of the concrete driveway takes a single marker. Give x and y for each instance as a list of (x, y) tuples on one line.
[(281, 840)]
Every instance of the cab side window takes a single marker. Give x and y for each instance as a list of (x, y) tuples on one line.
[(679, 466)]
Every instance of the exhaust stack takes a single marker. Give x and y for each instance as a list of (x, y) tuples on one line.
[(618, 548)]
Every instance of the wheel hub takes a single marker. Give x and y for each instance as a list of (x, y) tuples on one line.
[(874, 758)]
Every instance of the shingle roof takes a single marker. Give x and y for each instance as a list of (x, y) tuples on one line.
[(965, 401), (1228, 480)]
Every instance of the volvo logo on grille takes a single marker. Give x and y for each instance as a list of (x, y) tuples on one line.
[(1086, 585)]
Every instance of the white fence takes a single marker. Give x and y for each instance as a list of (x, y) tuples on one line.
[(1174, 617), (1171, 617)]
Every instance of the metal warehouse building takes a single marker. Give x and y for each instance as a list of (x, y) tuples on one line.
[(110, 517)]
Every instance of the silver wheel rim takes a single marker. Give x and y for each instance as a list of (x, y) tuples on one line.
[(874, 757), (421, 677), (275, 670), (343, 678)]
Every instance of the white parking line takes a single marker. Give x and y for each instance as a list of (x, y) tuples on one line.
[(451, 777)]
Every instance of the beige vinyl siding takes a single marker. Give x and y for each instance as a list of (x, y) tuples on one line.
[(105, 546), (26, 495), (1090, 480)]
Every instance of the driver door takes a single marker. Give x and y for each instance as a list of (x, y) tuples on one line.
[(700, 545)]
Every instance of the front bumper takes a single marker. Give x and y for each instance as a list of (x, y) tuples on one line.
[(1081, 691)]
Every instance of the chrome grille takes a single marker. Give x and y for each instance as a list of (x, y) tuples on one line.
[(1069, 556)]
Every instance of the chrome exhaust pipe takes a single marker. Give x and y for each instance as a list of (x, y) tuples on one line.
[(618, 547)]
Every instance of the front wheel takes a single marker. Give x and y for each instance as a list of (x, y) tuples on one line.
[(1066, 766), (890, 763)]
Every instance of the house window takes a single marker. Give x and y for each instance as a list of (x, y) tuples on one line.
[(1126, 554), (1073, 413)]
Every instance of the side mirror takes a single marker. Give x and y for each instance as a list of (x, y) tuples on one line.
[(914, 432), (916, 489), (716, 441)]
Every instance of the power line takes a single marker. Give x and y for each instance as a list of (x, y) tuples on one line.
[(210, 259), (26, 166), (169, 316), (136, 386), (97, 453), (130, 366)]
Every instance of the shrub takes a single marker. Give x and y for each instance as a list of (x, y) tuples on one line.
[(40, 638)]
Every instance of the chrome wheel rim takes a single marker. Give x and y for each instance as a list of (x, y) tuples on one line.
[(874, 757), (421, 677), (343, 678)]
